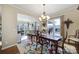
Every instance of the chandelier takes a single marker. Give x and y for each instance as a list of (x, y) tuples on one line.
[(44, 17)]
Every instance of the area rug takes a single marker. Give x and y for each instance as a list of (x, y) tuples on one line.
[(31, 48)]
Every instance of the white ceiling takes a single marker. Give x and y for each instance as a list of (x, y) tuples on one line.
[(37, 9)]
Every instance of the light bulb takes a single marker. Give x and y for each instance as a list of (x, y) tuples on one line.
[(44, 17), (40, 19), (48, 17)]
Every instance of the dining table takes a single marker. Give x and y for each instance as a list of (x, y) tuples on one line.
[(54, 39), (50, 38)]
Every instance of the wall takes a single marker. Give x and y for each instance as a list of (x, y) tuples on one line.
[(8, 26), (73, 14)]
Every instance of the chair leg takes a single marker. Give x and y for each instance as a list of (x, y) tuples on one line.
[(63, 50), (41, 49), (36, 47)]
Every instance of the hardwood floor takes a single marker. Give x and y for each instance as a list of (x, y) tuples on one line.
[(11, 50)]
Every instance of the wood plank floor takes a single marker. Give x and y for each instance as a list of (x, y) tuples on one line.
[(11, 50)]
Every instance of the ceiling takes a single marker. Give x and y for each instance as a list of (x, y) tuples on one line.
[(37, 9)]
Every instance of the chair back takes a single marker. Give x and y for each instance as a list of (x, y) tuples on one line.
[(64, 39)]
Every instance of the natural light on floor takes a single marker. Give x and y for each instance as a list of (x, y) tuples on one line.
[(24, 37)]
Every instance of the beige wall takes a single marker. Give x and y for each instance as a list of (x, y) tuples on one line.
[(8, 26), (74, 16)]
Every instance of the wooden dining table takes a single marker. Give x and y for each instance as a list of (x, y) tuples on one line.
[(54, 39), (50, 38)]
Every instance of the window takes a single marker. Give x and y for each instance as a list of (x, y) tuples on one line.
[(54, 26), (25, 24)]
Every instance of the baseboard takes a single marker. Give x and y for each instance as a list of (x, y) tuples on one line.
[(8, 47)]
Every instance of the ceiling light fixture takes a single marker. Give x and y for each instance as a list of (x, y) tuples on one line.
[(44, 17)]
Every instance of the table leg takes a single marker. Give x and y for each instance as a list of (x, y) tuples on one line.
[(41, 46), (36, 43), (41, 49), (31, 39), (56, 47)]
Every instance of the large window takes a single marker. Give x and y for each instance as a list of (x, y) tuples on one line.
[(54, 26), (26, 23)]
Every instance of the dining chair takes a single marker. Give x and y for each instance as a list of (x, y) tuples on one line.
[(74, 38), (62, 42)]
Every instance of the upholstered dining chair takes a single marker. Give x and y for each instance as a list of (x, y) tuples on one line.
[(76, 35), (74, 38)]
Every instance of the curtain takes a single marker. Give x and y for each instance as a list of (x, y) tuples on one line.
[(62, 25)]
